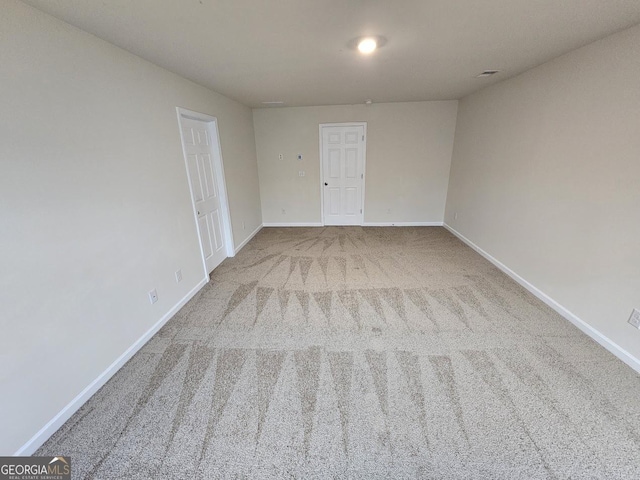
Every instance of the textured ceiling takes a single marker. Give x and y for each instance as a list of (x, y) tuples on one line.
[(297, 50)]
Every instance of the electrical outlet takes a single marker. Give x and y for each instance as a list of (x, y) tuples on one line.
[(280, 156), (178, 276), (634, 319), (153, 296), (455, 216), (301, 173), (243, 226)]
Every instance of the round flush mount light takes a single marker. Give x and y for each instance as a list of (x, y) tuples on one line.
[(367, 44)]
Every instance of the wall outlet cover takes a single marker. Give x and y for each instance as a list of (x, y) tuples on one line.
[(634, 319), (153, 296), (178, 276)]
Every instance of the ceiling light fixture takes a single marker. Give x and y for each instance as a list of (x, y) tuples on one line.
[(367, 45)]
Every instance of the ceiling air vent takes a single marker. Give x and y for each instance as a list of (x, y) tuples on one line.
[(487, 73)]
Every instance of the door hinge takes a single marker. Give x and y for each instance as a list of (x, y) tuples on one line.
[(360, 210), (362, 175), (363, 138)]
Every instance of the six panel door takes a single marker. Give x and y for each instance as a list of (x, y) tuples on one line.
[(343, 172), (204, 188)]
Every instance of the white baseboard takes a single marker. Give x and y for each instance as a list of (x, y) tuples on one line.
[(248, 239), (56, 422), (302, 224), (610, 345), (402, 224), (365, 224)]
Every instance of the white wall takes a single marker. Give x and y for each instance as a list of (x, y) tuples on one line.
[(545, 178), (94, 207), (408, 158)]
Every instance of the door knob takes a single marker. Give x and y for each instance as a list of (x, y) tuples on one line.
[(326, 184)]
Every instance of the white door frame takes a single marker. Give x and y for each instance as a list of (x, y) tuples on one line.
[(212, 123), (364, 163)]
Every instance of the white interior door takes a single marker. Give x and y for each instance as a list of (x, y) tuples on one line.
[(343, 151), (204, 177)]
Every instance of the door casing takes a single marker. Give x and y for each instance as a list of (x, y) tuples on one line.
[(364, 163), (212, 123)]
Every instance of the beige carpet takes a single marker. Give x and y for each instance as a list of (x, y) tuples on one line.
[(361, 353)]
